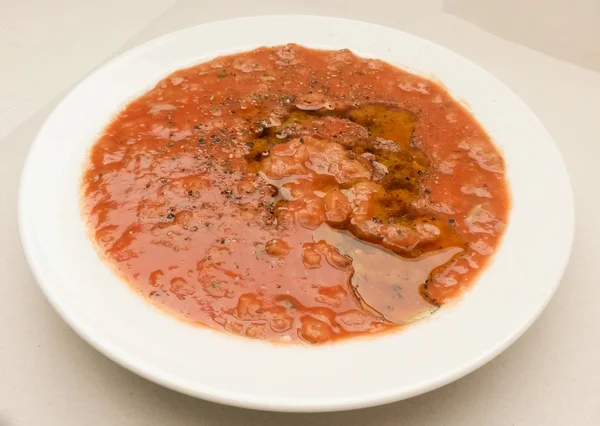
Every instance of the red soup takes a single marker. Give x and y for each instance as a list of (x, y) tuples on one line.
[(294, 194)]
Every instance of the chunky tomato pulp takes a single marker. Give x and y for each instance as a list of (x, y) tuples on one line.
[(288, 193)]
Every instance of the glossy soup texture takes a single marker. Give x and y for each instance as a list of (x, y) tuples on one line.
[(292, 194)]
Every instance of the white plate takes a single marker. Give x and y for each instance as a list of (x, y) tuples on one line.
[(356, 373)]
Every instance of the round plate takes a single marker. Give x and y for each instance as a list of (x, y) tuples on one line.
[(220, 367)]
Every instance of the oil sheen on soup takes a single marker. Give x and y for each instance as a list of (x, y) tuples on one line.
[(292, 194)]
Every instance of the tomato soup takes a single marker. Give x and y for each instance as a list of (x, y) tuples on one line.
[(292, 194)]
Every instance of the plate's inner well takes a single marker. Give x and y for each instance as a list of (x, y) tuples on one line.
[(295, 194)]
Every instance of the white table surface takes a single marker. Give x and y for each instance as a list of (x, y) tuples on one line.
[(547, 51)]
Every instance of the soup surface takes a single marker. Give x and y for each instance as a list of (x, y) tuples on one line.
[(295, 194)]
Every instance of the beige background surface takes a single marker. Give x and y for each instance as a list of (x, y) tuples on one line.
[(547, 51)]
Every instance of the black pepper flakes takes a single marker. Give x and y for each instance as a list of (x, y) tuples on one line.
[(398, 292), (170, 216)]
